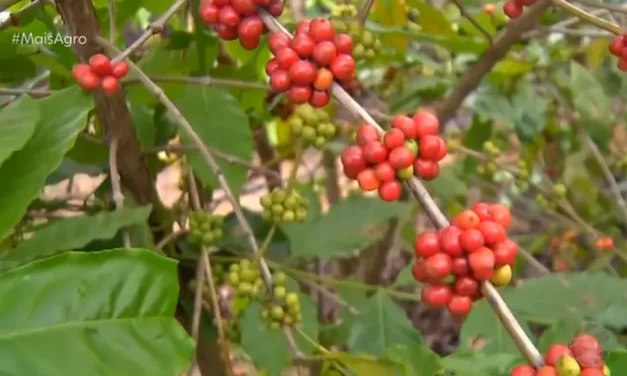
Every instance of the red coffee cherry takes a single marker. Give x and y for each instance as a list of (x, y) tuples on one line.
[(492, 232), (501, 215), (385, 172), (209, 13), (275, 8), (426, 244), (229, 17), (303, 27), (299, 94), (436, 295), (324, 79), (319, 98), (325, 53), (426, 170), (467, 220), (286, 58), (343, 44), (271, 66), (251, 27), (512, 9), (244, 7), (482, 263), (394, 138), (280, 81), (78, 70), (220, 3), (321, 30), (390, 191), (460, 305), (523, 370), (406, 125), (343, 67), (375, 152), (466, 286), (304, 45), (617, 45), (483, 210), (472, 240), (401, 157), (439, 266), (109, 84), (429, 147), (303, 72), (460, 267), (89, 81), (554, 353), (226, 32), (367, 133), (420, 272), (100, 64), (119, 70), (277, 42), (505, 252), (353, 157), (450, 241), (426, 124), (368, 180)]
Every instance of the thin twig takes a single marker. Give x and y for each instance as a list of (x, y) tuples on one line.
[(170, 237), (204, 265), (577, 32), (560, 25), (588, 17), (152, 29), (329, 294), (433, 211), (215, 168), (364, 12), (599, 5), (116, 189), (609, 177), (464, 12), (206, 81), (195, 329), (112, 21), (13, 19)]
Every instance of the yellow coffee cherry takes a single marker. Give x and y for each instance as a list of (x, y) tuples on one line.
[(568, 366), (502, 275)]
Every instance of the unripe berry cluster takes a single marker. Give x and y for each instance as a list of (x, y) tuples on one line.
[(366, 45), (238, 19), (204, 228), (306, 65), (245, 278), (514, 8), (284, 309), (312, 125), (618, 48), (410, 148), (100, 72), (582, 357), (453, 261), (282, 206)]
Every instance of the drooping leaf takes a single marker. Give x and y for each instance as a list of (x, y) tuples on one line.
[(219, 121), (17, 124), (381, 324), (417, 360), (63, 116), (432, 20), (351, 224), (268, 348), (72, 233), (482, 331), (99, 313)]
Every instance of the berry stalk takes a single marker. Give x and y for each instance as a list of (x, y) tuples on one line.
[(433, 211)]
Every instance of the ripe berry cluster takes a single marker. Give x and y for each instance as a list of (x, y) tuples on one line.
[(238, 19), (282, 206), (312, 125), (100, 72), (204, 228), (453, 261), (618, 48), (366, 45), (604, 243), (306, 65), (514, 8), (582, 357), (411, 147), (284, 309), (244, 277)]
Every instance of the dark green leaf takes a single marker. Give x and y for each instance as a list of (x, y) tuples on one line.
[(143, 119), (101, 313), (479, 364), (352, 224), (417, 360), (18, 120), (381, 324), (63, 116), (220, 122), (617, 362), (588, 95), (72, 233)]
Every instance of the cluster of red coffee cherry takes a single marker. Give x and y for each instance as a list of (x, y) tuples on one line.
[(238, 19), (306, 65), (100, 72), (618, 48), (453, 261), (410, 148), (514, 8), (583, 356)]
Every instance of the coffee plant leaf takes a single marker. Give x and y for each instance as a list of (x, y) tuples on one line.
[(362, 364), (381, 324), (222, 125), (483, 332), (72, 233), (24, 173), (108, 312), (417, 360), (432, 20), (19, 120)]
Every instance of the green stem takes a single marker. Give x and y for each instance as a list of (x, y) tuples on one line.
[(298, 160)]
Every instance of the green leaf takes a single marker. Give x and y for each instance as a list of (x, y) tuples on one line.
[(364, 364), (432, 20), (391, 13), (405, 277), (454, 44), (99, 313), (479, 364), (448, 185), (159, 62), (18, 120), (72, 233), (482, 331), (588, 95), (381, 324), (221, 124), (353, 223), (63, 116), (143, 119), (268, 348), (530, 109), (617, 362), (416, 360)]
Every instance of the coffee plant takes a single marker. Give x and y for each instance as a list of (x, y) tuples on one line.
[(264, 187)]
